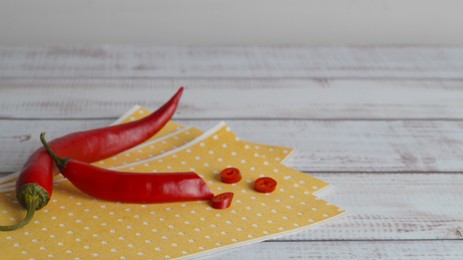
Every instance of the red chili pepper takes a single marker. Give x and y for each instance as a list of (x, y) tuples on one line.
[(265, 184), (222, 201), (230, 175), (131, 187), (35, 183)]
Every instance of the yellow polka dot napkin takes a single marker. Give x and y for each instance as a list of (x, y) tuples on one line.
[(77, 226)]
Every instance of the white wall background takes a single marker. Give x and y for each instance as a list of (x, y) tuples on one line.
[(32, 22)]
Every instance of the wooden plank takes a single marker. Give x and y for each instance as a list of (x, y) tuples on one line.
[(391, 206), (365, 146), (419, 250), (234, 98), (227, 61), (321, 146)]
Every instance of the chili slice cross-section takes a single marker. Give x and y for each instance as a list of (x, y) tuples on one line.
[(230, 175), (222, 201), (265, 184)]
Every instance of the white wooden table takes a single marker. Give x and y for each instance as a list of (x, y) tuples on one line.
[(386, 119)]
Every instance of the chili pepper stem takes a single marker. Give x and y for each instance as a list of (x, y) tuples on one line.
[(32, 197), (60, 162)]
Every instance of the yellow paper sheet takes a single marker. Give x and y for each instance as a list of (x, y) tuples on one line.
[(174, 136), (74, 225)]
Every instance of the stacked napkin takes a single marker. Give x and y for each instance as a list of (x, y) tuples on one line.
[(74, 225)]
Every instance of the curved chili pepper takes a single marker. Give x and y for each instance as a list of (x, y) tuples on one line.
[(128, 186), (35, 182)]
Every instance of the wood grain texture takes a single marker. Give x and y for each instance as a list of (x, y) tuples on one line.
[(384, 125), (235, 98), (418, 250), (321, 146), (391, 206), (240, 61)]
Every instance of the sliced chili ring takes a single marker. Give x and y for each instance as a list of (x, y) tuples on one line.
[(222, 201), (265, 184), (230, 175)]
